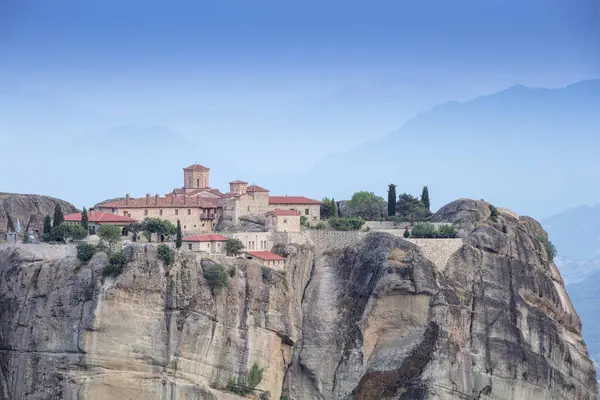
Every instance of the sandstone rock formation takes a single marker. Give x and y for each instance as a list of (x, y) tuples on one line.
[(30, 209), (355, 316)]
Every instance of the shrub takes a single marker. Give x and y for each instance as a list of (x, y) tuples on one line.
[(216, 276), (66, 231), (320, 225), (303, 220), (85, 251), (265, 396), (111, 234), (165, 253), (232, 272), (406, 233), (493, 212), (346, 223), (246, 384), (446, 231), (549, 246), (424, 230), (234, 246), (116, 264)]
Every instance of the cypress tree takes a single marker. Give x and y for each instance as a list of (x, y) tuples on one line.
[(391, 200), (334, 209), (178, 238), (425, 198), (84, 219), (47, 228), (59, 217)]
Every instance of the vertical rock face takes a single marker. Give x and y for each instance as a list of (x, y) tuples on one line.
[(29, 209), (350, 319)]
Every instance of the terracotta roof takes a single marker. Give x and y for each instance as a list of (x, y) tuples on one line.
[(284, 212), (196, 167), (100, 217), (165, 202), (265, 255), (215, 237), (256, 188), (291, 200), (238, 182)]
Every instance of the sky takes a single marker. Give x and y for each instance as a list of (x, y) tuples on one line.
[(258, 90)]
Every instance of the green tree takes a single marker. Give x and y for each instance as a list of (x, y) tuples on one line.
[(424, 230), (165, 253), (549, 247), (111, 234), (410, 208), (366, 205), (406, 232), (159, 227), (391, 200), (327, 208), (66, 231), (346, 223), (303, 220), (425, 199), (85, 251), (84, 220), (334, 208), (47, 228), (179, 237), (59, 217), (134, 228), (216, 276), (234, 246), (447, 231)]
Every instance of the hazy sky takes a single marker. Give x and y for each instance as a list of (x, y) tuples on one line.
[(255, 77)]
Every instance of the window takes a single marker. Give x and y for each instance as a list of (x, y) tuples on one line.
[(189, 211), (306, 211), (218, 244), (176, 212), (208, 245), (125, 213), (185, 226), (285, 221), (189, 246), (203, 225), (159, 212), (197, 182), (145, 212), (194, 226), (114, 210), (248, 208)]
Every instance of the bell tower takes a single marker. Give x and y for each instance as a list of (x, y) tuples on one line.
[(196, 176)]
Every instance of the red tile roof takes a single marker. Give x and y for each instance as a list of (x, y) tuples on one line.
[(165, 202), (256, 188), (284, 212), (196, 167), (291, 200), (100, 217), (239, 182), (214, 237), (265, 255)]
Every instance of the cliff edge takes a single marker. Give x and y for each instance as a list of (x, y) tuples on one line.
[(354, 316)]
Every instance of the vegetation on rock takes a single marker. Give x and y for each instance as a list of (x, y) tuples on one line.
[(549, 247), (84, 219), (178, 238), (85, 251), (429, 231), (234, 246), (216, 276), (346, 223), (67, 231), (409, 208), (116, 264), (493, 212), (406, 233), (246, 384), (158, 226), (166, 254), (110, 234), (59, 217)]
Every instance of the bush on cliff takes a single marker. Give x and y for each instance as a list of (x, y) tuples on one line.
[(165, 253), (346, 223), (549, 246), (246, 383), (428, 231), (216, 276), (116, 264), (85, 251), (234, 246)]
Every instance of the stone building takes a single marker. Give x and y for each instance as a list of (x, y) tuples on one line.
[(283, 221), (266, 259), (97, 218), (211, 244), (199, 207)]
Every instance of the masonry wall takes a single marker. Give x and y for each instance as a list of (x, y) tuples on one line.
[(207, 247), (190, 223), (287, 223), (253, 241), (314, 210), (248, 204)]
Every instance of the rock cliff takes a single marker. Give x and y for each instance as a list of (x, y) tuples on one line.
[(30, 209), (353, 317)]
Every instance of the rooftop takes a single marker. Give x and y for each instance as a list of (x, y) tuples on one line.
[(284, 212), (215, 237), (256, 188), (266, 255), (239, 182), (164, 202), (291, 200), (196, 167), (100, 217)]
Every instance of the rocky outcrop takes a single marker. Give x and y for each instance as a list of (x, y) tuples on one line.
[(29, 209), (366, 318)]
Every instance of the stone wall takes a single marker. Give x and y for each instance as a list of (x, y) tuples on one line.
[(314, 210), (253, 241), (438, 251)]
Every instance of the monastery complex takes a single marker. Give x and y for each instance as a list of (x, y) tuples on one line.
[(199, 207)]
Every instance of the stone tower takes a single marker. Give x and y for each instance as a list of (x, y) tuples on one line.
[(196, 176), (238, 187)]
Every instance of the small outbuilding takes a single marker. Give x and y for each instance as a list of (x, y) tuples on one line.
[(283, 220), (210, 243), (266, 259)]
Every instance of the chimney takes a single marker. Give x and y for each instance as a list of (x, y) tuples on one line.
[(127, 196), (156, 199), (147, 198)]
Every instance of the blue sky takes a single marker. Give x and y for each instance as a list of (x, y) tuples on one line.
[(311, 77)]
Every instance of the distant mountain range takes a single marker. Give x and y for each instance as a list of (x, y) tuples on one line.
[(512, 148)]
